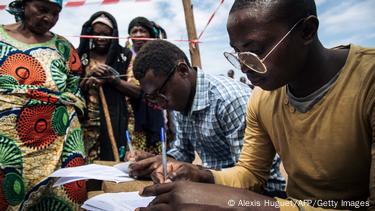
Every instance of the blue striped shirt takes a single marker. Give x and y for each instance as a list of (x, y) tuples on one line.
[(214, 127)]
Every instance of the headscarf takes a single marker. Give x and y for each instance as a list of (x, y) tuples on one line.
[(162, 34), (119, 59), (155, 30), (16, 8), (145, 23), (104, 20)]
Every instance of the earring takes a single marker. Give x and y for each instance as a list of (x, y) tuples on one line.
[(84, 59), (91, 44)]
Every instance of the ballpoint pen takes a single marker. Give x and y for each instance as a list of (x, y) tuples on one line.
[(129, 141), (131, 150), (163, 151)]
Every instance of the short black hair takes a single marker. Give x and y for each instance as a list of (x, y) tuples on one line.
[(288, 10), (159, 55)]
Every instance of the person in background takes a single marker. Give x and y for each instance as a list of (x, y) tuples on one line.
[(315, 107), (105, 62), (244, 80), (209, 113), (147, 120), (230, 73), (40, 99)]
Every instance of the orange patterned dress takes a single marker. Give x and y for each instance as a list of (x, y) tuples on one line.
[(39, 128)]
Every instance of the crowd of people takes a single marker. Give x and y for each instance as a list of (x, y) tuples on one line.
[(312, 109)]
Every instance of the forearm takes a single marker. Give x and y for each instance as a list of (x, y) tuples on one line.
[(205, 176), (237, 177), (185, 195), (224, 197), (127, 88)]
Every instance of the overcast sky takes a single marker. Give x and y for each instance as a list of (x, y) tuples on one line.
[(341, 22)]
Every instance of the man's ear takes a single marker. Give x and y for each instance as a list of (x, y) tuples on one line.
[(183, 69), (310, 29)]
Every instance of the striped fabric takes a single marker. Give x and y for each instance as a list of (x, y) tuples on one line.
[(215, 125)]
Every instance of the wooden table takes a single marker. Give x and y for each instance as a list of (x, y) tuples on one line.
[(130, 186)]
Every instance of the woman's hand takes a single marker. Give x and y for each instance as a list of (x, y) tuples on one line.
[(90, 82), (101, 74), (107, 74)]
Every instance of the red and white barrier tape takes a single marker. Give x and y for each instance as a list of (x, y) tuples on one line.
[(110, 37), (191, 41), (78, 3), (210, 19)]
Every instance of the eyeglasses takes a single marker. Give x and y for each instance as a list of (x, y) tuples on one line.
[(157, 98), (252, 60)]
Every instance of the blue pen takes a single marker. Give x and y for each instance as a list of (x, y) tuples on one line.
[(129, 141), (163, 151)]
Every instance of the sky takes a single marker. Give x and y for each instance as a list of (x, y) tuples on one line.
[(341, 22)]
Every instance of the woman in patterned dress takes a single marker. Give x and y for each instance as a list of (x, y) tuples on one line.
[(40, 99)]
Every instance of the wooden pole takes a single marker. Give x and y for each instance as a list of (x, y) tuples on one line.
[(109, 124), (192, 34)]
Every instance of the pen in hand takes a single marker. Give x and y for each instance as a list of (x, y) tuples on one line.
[(131, 150), (164, 152)]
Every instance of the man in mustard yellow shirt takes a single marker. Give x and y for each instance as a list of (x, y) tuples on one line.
[(315, 107)]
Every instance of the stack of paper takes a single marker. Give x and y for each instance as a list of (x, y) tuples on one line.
[(117, 173), (128, 201)]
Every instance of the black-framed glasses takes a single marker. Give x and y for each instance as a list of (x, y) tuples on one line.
[(157, 97), (252, 60)]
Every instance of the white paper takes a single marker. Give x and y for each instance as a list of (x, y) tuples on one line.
[(65, 180), (124, 201), (91, 208), (124, 167), (92, 171), (88, 171)]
